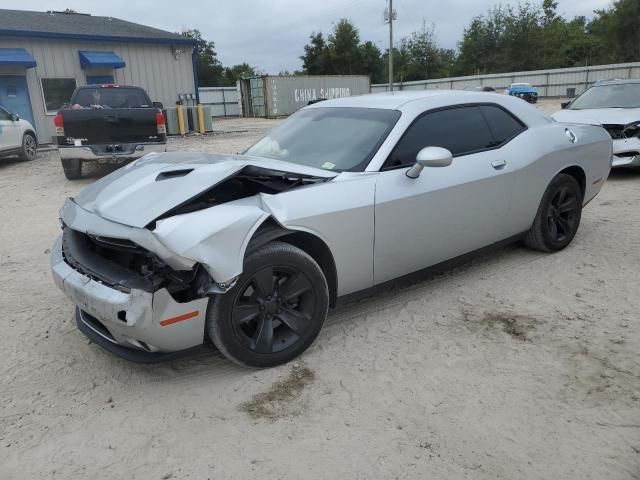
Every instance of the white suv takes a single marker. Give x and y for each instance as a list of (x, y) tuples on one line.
[(17, 136)]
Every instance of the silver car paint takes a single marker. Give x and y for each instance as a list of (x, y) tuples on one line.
[(144, 310), (136, 184), (609, 116), (444, 213)]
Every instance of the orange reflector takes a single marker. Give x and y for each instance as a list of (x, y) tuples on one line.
[(181, 318)]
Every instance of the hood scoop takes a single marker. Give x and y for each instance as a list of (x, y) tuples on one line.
[(173, 174)]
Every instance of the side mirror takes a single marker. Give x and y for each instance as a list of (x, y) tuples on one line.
[(564, 105), (430, 157), (158, 105), (15, 117)]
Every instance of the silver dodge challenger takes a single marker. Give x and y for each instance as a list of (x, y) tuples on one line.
[(249, 251)]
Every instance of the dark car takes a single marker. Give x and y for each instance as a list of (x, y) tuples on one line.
[(110, 124)]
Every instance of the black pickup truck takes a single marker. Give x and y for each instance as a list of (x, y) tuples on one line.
[(108, 124)]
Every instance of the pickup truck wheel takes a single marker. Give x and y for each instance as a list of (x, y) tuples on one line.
[(72, 168), (275, 310), (558, 216), (29, 147)]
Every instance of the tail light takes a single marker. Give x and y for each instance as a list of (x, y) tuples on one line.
[(160, 124), (58, 121)]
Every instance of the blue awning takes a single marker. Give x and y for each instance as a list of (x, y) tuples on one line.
[(16, 57), (100, 60)]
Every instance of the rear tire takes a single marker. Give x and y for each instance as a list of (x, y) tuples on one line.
[(72, 168), (558, 216), (275, 310), (29, 147)]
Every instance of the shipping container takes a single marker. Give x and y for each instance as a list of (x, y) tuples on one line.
[(276, 96)]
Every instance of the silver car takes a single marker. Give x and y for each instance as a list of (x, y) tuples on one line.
[(614, 104), (250, 251)]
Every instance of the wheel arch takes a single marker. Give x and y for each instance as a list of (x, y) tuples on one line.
[(311, 244), (30, 132), (578, 174)]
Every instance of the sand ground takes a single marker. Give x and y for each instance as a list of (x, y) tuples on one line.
[(514, 365)]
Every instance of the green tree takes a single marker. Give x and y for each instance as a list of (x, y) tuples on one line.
[(235, 73), (372, 65), (344, 49), (525, 37), (617, 32), (342, 54), (210, 70), (316, 53), (420, 57)]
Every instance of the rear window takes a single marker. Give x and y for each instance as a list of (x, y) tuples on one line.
[(503, 126), (111, 98)]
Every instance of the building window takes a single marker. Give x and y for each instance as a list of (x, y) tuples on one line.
[(56, 92)]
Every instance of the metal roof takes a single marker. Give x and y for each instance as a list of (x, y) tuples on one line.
[(81, 26)]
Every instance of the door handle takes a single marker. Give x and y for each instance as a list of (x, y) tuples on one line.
[(499, 164)]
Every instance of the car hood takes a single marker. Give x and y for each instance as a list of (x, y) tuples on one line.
[(601, 116), (140, 192)]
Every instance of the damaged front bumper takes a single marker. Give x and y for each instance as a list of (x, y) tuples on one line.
[(626, 152), (135, 324)]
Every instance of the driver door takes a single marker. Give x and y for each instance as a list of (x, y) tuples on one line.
[(447, 211)]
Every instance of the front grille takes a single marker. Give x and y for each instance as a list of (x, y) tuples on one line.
[(118, 263), (619, 132), (615, 131), (125, 265)]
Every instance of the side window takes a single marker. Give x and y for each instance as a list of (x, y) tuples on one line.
[(460, 130), (503, 126), (4, 115)]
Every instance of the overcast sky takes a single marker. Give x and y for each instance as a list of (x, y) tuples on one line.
[(271, 34)]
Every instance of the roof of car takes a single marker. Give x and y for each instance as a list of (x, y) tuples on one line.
[(422, 100), (53, 24), (388, 100), (616, 82)]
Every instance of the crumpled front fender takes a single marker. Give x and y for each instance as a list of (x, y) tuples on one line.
[(216, 237)]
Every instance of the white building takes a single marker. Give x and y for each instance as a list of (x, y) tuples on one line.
[(45, 55)]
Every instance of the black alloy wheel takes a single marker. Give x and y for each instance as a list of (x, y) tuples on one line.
[(558, 216), (562, 214), (275, 310)]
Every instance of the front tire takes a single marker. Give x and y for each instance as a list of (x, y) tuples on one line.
[(558, 216), (72, 168), (274, 312), (29, 147)]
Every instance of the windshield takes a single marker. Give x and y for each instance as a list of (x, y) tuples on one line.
[(115, 97), (329, 138), (621, 95)]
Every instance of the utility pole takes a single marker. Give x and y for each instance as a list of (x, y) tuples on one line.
[(389, 16)]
